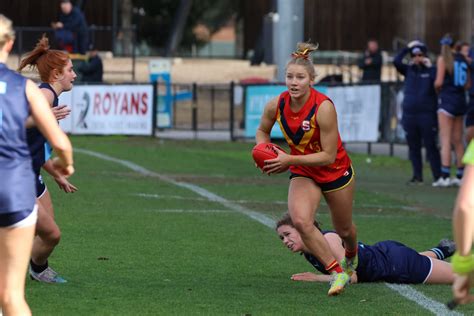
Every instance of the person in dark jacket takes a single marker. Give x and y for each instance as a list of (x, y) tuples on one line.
[(371, 63), (71, 29), (92, 69), (419, 118)]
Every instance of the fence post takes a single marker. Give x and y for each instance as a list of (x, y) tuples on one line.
[(212, 106), (231, 109), (154, 108), (194, 110)]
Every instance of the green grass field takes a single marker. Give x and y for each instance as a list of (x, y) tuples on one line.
[(135, 244)]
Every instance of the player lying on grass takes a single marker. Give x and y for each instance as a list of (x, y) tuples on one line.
[(387, 261)]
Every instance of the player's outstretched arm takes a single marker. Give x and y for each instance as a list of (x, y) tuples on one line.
[(60, 179)]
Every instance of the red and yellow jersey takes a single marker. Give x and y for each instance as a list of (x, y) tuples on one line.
[(302, 133)]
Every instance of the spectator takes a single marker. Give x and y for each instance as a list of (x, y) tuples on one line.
[(371, 63), (92, 69), (452, 79), (71, 29), (468, 53), (419, 109)]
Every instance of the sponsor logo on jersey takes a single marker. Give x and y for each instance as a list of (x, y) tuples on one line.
[(306, 125)]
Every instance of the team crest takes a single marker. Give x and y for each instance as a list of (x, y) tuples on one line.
[(306, 125)]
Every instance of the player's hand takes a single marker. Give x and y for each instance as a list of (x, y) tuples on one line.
[(461, 287), (279, 164), (65, 185), (305, 276), (414, 44), (65, 170), (61, 112)]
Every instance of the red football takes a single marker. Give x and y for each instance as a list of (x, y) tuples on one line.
[(264, 151)]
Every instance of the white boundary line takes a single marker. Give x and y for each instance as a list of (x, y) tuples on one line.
[(404, 290)]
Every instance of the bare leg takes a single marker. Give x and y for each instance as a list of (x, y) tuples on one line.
[(48, 233), (15, 250), (340, 204), (303, 200), (469, 134), (457, 139), (442, 273), (445, 128)]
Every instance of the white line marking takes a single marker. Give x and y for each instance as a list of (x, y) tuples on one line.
[(404, 290), (427, 303), (188, 211)]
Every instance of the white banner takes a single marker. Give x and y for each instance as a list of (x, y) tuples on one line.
[(105, 110), (358, 112)]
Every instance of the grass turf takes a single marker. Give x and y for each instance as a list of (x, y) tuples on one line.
[(173, 252)]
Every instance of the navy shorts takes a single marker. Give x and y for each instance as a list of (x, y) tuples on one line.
[(392, 262), (40, 186), (14, 218), (452, 107)]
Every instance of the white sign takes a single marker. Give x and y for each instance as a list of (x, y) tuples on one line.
[(159, 66), (358, 112), (105, 110)]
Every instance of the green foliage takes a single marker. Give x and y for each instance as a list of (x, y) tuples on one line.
[(156, 25)]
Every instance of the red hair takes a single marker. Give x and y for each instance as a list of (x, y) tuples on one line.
[(45, 59)]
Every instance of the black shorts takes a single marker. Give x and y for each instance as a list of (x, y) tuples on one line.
[(338, 184)]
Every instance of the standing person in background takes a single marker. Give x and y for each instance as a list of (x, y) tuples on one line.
[(319, 164), (18, 213), (371, 62), (92, 70), (419, 109), (463, 229), (452, 79), (71, 29), (468, 53), (57, 75)]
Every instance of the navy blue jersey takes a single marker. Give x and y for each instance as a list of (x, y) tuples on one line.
[(39, 147), (387, 261), (17, 191), (452, 95)]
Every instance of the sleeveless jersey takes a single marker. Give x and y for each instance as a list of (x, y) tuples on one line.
[(301, 131), (39, 147), (452, 91), (17, 189)]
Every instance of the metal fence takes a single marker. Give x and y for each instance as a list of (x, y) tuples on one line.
[(222, 108)]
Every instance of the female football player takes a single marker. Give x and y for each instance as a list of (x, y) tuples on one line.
[(388, 261), (18, 98), (318, 163), (463, 228), (57, 75)]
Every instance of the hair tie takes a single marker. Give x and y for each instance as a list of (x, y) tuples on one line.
[(298, 54), (446, 41)]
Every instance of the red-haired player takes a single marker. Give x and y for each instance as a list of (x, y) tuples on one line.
[(318, 163), (57, 75)]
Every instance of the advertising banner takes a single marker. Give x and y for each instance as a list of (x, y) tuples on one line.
[(106, 110), (357, 107)]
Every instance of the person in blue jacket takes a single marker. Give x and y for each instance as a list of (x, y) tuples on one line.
[(71, 29), (452, 80), (419, 109)]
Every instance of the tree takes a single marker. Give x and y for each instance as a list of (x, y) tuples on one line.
[(155, 26)]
